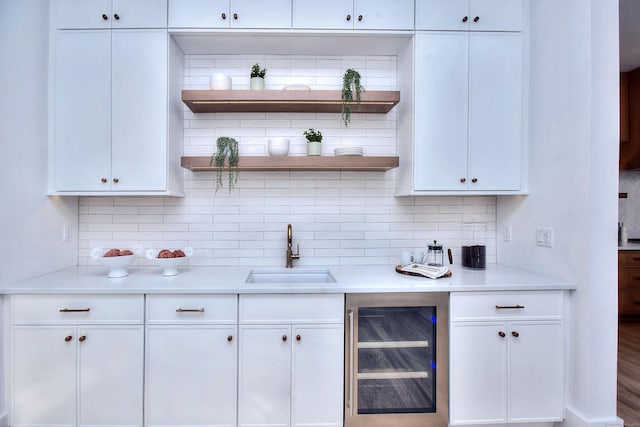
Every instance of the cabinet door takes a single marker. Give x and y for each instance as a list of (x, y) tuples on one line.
[(260, 14), (323, 14), (496, 15), (83, 13), (110, 369), (442, 15), (139, 14), (535, 372), (199, 14), (383, 15), (478, 373), (44, 376), (441, 111), (139, 98), (264, 380), (317, 375), (495, 111), (189, 371), (83, 111)]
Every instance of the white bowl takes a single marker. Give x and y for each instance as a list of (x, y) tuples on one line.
[(117, 265), (169, 265), (278, 147), (220, 82)]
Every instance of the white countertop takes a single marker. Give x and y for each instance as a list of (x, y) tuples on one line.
[(192, 280), (629, 246)]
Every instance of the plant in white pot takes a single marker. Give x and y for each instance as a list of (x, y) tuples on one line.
[(314, 142), (257, 77)]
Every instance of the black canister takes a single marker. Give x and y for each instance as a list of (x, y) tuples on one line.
[(474, 256), (474, 249)]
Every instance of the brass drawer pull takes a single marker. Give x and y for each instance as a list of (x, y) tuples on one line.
[(189, 310), (509, 307), (75, 310)]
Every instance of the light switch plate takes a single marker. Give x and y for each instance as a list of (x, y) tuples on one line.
[(544, 236), (507, 233)]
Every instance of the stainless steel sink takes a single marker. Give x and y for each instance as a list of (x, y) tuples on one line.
[(290, 276)]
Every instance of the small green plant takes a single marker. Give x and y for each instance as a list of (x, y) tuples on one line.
[(313, 135), (225, 146), (256, 71), (350, 83)]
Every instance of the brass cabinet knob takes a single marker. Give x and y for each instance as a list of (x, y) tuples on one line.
[(104, 17), (359, 17), (83, 338), (298, 337), (230, 338), (116, 180), (116, 16), (502, 334), (463, 180), (348, 17), (68, 338), (476, 19), (235, 16), (515, 334), (223, 15), (465, 18), (284, 338), (474, 180), (103, 180)]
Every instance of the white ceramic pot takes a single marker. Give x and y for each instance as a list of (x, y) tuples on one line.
[(220, 82), (314, 148), (278, 147), (256, 83)]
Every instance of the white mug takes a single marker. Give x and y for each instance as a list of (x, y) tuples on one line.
[(406, 257), (418, 257)]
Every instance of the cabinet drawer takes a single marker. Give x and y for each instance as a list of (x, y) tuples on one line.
[(181, 309), (506, 305), (629, 258), (629, 278), (75, 309), (292, 308), (629, 302)]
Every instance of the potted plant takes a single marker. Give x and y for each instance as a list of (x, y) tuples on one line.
[(226, 146), (350, 83), (314, 140), (257, 77)]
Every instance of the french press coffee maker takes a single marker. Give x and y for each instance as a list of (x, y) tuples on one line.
[(435, 254)]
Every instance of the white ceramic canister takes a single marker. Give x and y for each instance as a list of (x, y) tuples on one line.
[(220, 82), (278, 146)]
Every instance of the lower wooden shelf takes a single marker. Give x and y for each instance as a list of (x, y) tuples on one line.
[(299, 163)]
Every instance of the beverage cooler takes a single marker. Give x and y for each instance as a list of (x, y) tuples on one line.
[(396, 359)]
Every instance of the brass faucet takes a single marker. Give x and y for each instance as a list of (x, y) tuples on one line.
[(290, 255)]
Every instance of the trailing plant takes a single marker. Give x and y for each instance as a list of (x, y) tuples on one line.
[(312, 135), (225, 146), (256, 71), (350, 83)]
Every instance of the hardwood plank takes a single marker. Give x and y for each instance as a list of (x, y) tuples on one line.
[(628, 373), (299, 163)]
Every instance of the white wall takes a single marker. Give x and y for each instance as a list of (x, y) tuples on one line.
[(30, 222), (338, 218), (574, 183)]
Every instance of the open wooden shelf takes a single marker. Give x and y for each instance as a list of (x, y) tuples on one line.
[(298, 163), (285, 101)]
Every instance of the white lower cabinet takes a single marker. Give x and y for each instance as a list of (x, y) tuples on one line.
[(75, 370), (191, 360), (506, 359), (290, 360)]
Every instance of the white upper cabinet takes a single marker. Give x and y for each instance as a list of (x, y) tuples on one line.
[(229, 13), (359, 14), (469, 15), (79, 14)]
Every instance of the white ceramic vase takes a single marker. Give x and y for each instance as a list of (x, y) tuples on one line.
[(256, 83), (314, 148)]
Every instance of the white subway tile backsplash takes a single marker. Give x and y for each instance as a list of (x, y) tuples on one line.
[(338, 218)]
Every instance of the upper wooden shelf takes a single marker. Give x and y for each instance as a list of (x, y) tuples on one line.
[(298, 163), (286, 101)]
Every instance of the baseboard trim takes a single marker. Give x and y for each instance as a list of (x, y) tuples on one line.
[(575, 419)]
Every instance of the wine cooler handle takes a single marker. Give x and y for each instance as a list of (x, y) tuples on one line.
[(351, 350)]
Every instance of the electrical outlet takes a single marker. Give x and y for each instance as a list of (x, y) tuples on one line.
[(66, 233), (507, 233), (544, 237)]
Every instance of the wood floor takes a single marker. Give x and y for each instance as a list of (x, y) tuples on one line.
[(629, 373)]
